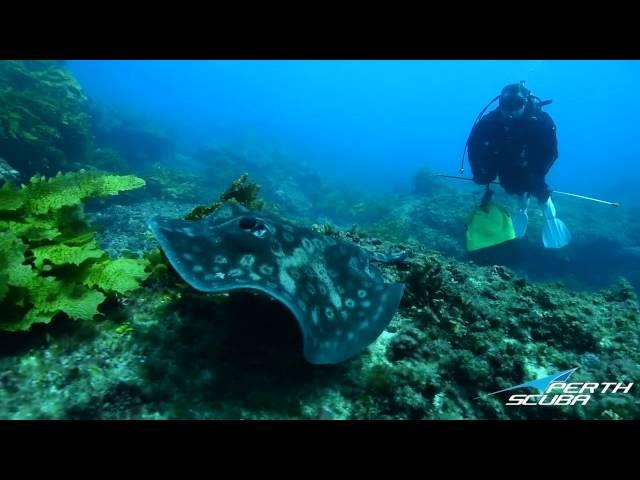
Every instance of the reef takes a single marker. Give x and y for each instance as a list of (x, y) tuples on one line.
[(462, 331), (44, 118)]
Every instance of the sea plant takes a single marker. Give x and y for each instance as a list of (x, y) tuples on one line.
[(50, 262)]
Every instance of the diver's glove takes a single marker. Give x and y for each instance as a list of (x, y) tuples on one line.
[(521, 218), (555, 233)]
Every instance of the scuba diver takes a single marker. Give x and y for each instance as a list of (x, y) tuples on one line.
[(517, 144)]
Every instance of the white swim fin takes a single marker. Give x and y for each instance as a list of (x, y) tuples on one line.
[(555, 233)]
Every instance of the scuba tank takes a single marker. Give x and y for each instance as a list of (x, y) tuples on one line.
[(534, 103)]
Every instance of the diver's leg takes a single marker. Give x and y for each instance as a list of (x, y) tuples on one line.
[(521, 218)]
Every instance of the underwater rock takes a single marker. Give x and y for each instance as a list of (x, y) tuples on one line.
[(408, 343), (622, 291), (44, 120), (173, 184), (120, 225), (140, 140), (424, 181)]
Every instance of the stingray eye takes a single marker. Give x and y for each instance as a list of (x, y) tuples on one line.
[(248, 223)]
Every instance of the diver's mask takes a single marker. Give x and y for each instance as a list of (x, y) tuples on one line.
[(512, 106)]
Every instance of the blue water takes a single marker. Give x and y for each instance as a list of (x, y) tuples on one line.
[(374, 123)]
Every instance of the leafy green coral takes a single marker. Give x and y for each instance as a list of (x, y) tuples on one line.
[(43, 195), (11, 271), (9, 199), (121, 276), (50, 262), (240, 191), (66, 254)]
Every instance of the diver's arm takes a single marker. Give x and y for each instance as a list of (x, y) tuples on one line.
[(481, 152), (543, 154), (544, 145)]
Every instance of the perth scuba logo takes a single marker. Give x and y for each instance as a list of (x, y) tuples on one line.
[(555, 391)]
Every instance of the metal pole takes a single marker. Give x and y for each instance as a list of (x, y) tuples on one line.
[(612, 204)]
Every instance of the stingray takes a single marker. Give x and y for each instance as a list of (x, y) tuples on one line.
[(339, 299)]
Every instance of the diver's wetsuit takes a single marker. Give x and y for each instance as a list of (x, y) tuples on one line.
[(519, 151)]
